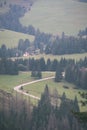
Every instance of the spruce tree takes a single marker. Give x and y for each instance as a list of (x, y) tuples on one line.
[(58, 75)]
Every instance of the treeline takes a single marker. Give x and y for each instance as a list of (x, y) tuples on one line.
[(8, 66), (23, 46), (41, 64), (73, 72), (78, 76), (82, 32), (55, 45), (47, 115), (7, 53), (49, 45)]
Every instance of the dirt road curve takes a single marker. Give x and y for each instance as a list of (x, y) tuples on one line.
[(18, 88)]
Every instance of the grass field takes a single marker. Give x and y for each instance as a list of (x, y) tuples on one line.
[(8, 82), (56, 16), (11, 38), (38, 88), (77, 57)]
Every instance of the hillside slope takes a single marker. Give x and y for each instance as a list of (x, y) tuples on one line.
[(56, 16), (11, 38)]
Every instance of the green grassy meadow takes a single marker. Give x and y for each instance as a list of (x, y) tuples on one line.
[(57, 16), (11, 38), (8, 82), (76, 57)]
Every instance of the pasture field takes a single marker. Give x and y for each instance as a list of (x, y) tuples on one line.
[(57, 16), (8, 82), (38, 88), (76, 57), (11, 38)]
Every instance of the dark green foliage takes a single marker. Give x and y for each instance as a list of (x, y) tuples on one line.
[(15, 113), (23, 46), (54, 65), (81, 116), (58, 75), (36, 74), (7, 53), (69, 45), (3, 51), (41, 114), (41, 39), (30, 30), (48, 65), (76, 75), (8, 67), (21, 67), (84, 96), (42, 64), (48, 117), (75, 105)]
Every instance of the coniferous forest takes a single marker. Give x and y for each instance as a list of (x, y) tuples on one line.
[(16, 113)]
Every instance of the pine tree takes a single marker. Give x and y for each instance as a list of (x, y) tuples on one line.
[(58, 75), (42, 112), (75, 105)]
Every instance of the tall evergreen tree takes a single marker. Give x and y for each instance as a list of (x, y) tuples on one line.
[(42, 112), (58, 75)]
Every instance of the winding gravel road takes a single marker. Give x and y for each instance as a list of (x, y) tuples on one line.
[(18, 88)]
